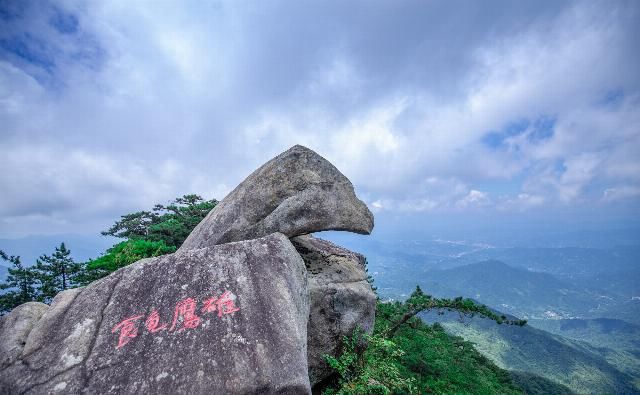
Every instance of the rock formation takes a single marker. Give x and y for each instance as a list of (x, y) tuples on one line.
[(295, 193), (227, 319), (237, 309), (341, 299)]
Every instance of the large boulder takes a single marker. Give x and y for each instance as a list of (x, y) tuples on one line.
[(341, 300), (227, 319), (295, 193), (14, 329)]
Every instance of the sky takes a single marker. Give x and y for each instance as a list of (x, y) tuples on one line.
[(437, 111)]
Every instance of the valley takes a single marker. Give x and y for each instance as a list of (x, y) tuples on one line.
[(581, 302)]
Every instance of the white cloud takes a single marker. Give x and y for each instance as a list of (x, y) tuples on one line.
[(66, 185), (622, 192), (473, 198), (522, 202), (560, 68), (145, 103), (580, 170), (377, 205)]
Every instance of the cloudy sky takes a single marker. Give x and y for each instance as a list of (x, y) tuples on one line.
[(432, 108)]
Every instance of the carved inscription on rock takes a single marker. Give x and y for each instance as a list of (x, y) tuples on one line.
[(187, 314)]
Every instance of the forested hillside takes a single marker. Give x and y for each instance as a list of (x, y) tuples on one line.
[(578, 365)]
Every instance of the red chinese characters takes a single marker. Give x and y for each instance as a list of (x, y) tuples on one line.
[(186, 312), (223, 304), (153, 322), (128, 330), (184, 317)]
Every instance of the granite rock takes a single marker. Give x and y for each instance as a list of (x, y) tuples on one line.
[(295, 193), (341, 300), (227, 319), (14, 329)]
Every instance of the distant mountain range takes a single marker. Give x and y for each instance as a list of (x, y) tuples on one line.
[(579, 365), (565, 282), (527, 294)]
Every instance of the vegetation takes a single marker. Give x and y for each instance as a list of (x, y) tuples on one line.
[(615, 340), (56, 273), (418, 302), (405, 356), (121, 255), (374, 370), (41, 282), (20, 285), (168, 224), (445, 364), (534, 384), (149, 233), (575, 364)]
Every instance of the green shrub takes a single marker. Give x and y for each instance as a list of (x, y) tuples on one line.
[(374, 371), (406, 356), (123, 254)]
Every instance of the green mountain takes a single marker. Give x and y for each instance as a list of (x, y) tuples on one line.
[(445, 364), (576, 364), (532, 384), (415, 357), (615, 340)]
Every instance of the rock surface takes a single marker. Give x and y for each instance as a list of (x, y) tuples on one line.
[(295, 193), (14, 329), (228, 319), (341, 299)]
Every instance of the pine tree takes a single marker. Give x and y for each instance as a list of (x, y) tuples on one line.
[(57, 272), (401, 313), (20, 285), (170, 224)]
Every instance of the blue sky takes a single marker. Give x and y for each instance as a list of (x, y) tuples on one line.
[(434, 109)]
